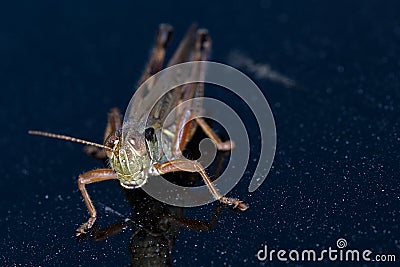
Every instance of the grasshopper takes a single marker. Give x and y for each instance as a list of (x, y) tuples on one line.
[(134, 155)]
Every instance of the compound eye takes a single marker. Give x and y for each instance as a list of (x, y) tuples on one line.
[(149, 134), (112, 140)]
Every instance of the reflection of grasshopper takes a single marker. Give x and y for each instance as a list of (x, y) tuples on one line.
[(134, 151), (156, 226)]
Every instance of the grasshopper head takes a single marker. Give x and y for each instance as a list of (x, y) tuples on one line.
[(128, 157)]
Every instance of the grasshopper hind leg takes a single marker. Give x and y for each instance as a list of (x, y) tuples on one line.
[(157, 56), (221, 145)]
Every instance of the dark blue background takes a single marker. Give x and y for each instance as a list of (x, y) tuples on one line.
[(336, 171)]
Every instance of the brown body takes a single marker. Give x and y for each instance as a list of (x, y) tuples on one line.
[(135, 154)]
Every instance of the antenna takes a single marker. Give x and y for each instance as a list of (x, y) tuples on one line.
[(68, 138)]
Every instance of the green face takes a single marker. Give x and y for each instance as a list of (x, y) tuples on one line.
[(130, 159)]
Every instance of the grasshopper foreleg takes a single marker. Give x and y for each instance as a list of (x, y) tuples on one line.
[(192, 166), (90, 177)]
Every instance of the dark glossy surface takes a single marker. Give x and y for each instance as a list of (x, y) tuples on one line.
[(336, 171)]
